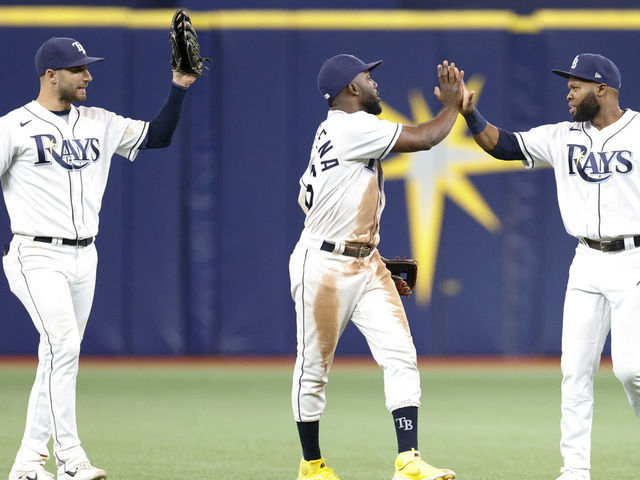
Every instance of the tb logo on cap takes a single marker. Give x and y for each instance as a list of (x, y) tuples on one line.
[(79, 47), (573, 65)]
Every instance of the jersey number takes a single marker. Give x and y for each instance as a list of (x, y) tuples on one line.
[(308, 200)]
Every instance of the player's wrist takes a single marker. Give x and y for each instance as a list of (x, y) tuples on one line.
[(179, 86), (182, 80), (451, 108), (475, 121)]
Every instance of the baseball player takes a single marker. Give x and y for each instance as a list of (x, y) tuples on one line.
[(54, 163), (595, 161), (336, 271)]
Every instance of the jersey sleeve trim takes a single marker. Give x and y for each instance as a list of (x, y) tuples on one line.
[(393, 141), (528, 161), (133, 152)]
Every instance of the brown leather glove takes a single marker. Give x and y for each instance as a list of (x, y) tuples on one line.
[(185, 48), (404, 272)]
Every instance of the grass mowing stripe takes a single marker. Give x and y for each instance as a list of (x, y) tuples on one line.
[(233, 423)]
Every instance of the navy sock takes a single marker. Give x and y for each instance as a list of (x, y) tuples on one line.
[(406, 423), (309, 439)]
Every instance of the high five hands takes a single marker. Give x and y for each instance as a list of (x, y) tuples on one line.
[(452, 89)]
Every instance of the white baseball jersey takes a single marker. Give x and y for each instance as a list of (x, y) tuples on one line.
[(341, 191), (596, 173), (54, 171), (598, 186), (342, 194)]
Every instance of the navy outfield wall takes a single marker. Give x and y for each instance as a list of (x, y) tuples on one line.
[(194, 239)]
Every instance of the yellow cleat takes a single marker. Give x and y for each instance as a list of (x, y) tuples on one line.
[(411, 466), (315, 470)]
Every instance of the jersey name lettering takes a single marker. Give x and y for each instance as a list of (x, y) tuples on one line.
[(596, 167), (322, 150), (74, 154), (327, 164), (325, 147)]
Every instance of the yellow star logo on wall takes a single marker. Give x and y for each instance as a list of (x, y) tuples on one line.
[(431, 175)]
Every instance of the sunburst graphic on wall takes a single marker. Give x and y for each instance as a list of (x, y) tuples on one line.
[(433, 175)]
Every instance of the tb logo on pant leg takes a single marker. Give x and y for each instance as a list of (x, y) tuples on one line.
[(404, 423)]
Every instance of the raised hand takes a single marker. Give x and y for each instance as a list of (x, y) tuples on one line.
[(450, 90), (468, 100)]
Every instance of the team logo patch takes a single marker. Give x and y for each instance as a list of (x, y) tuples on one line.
[(74, 154), (79, 47), (597, 167), (404, 423)]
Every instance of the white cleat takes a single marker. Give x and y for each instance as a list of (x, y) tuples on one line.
[(83, 471), (39, 474), (574, 474)]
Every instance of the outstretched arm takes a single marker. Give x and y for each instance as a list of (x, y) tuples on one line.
[(428, 134), (187, 65), (163, 125), (497, 142)]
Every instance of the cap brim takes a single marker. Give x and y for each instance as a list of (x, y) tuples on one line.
[(564, 74), (83, 61), (371, 66)]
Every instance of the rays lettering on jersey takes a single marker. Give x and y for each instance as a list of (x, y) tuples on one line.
[(74, 154), (596, 167)]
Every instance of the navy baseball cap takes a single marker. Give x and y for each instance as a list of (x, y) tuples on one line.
[(337, 72), (61, 52), (593, 67)]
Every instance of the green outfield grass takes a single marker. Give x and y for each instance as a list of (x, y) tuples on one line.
[(234, 422)]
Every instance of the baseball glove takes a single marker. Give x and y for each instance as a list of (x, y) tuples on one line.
[(404, 272), (185, 49)]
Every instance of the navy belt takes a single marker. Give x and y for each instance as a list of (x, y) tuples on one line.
[(356, 250), (609, 245), (66, 241)]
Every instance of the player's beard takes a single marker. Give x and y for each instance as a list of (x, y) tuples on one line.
[(371, 104), (69, 93), (587, 109)]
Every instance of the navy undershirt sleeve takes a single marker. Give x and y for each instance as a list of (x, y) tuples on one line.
[(507, 147), (161, 128)]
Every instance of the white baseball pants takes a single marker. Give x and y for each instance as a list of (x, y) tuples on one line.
[(603, 293), (56, 284), (329, 290)]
